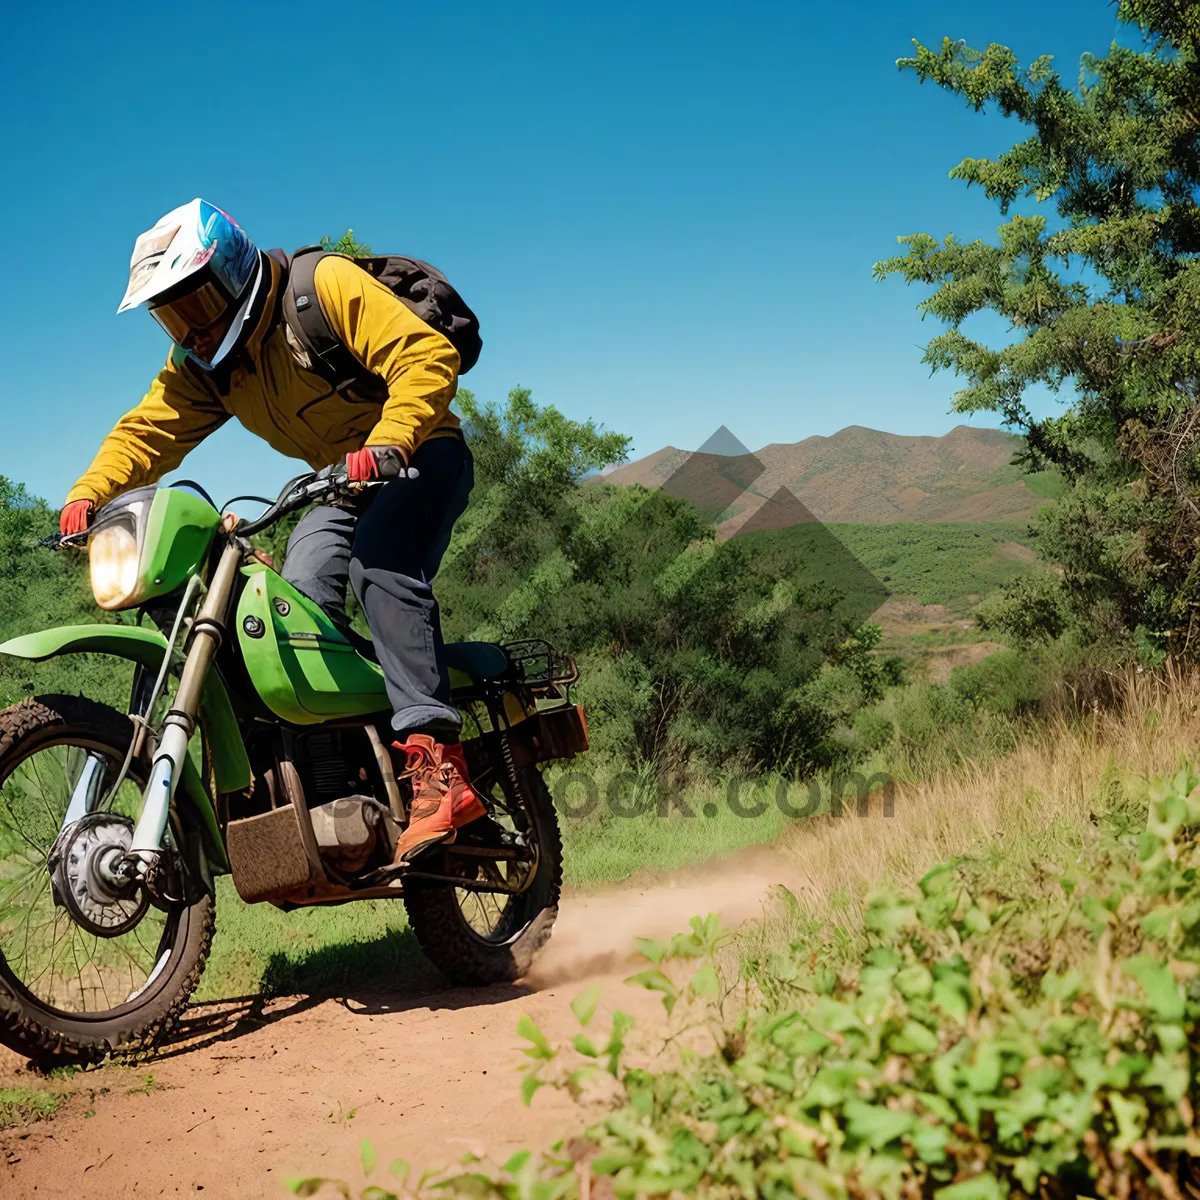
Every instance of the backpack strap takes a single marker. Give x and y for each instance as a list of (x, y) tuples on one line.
[(330, 357)]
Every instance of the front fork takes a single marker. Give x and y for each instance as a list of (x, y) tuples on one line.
[(86, 795), (208, 630)]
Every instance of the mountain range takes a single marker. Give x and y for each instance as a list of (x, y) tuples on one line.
[(855, 476)]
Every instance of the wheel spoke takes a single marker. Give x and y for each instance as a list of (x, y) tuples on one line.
[(495, 916), (64, 965)]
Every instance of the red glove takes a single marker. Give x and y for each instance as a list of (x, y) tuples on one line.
[(375, 462), (361, 466), (75, 517)]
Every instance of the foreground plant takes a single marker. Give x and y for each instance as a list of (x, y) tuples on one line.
[(986, 1046)]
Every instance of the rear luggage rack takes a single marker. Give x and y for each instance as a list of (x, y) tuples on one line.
[(540, 667)]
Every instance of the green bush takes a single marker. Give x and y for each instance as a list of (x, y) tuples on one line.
[(41, 589), (1031, 610), (987, 1045), (872, 729), (1008, 683)]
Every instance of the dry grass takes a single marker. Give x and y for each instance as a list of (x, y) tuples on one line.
[(1026, 815)]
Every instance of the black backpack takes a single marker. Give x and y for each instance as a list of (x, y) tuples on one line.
[(422, 288)]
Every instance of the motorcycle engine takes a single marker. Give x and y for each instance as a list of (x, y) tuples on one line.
[(354, 829), (349, 830)]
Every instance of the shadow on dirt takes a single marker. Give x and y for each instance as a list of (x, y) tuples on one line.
[(392, 959), (387, 974)]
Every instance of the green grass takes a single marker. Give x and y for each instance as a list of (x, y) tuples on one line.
[(637, 824), (612, 848), (940, 563), (1048, 484), (259, 949), (935, 639), (21, 1105)]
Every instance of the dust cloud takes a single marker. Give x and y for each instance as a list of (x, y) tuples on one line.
[(596, 931)]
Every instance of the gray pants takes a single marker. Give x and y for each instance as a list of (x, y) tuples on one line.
[(388, 549)]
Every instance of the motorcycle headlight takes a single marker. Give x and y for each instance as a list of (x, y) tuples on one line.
[(115, 549), (113, 561), (148, 542)]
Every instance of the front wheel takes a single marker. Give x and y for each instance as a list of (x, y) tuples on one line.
[(82, 971), (477, 937)]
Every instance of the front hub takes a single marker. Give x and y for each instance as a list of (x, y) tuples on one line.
[(88, 878)]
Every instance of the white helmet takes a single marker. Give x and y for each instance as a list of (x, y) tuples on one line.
[(199, 274)]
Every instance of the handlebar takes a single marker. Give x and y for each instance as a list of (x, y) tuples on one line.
[(296, 493), (326, 484)]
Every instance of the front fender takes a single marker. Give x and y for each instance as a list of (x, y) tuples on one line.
[(143, 646), (146, 647)]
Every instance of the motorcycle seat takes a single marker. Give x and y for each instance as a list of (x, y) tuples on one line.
[(477, 660)]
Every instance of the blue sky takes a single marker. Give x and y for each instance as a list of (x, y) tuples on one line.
[(665, 214)]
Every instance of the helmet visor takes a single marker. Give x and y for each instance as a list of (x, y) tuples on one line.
[(196, 319)]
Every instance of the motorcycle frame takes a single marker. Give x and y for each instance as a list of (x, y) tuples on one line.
[(202, 701)]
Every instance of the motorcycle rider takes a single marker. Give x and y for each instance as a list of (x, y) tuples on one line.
[(219, 298)]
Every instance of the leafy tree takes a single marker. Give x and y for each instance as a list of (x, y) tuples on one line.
[(1102, 295), (527, 459), (39, 590), (535, 452), (692, 650), (346, 244)]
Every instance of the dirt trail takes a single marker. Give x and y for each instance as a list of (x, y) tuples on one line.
[(252, 1092)]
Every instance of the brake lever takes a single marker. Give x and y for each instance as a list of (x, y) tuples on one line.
[(333, 484), (59, 541)]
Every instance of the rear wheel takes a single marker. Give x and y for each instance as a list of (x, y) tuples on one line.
[(479, 937), (83, 970)]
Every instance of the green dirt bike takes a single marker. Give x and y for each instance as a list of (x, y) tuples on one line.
[(257, 743)]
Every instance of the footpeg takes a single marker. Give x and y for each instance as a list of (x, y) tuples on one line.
[(486, 834)]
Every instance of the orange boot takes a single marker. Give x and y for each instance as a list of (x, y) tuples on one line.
[(443, 801)]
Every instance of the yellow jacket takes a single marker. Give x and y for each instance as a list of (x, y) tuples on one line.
[(297, 412)]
